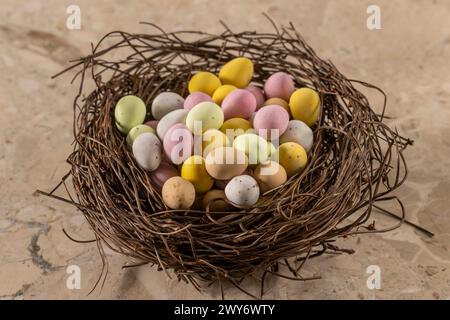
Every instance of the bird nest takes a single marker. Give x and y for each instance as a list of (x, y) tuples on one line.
[(355, 163)]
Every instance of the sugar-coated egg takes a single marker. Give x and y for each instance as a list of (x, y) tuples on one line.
[(166, 102), (305, 105), (195, 98), (194, 170), (243, 191), (213, 139), (235, 126), (129, 112), (205, 82), (298, 132), (292, 157), (271, 121), (163, 173), (176, 116), (152, 123), (147, 151), (270, 175), (221, 92), (258, 94), (221, 184), (178, 193), (279, 85), (277, 101), (257, 149), (226, 162), (239, 103), (204, 116), (238, 72), (215, 201), (136, 131), (178, 143)]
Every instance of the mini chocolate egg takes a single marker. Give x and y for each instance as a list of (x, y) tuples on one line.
[(238, 72), (270, 175), (166, 102), (234, 127), (298, 132), (136, 131), (129, 112), (239, 103), (213, 139), (204, 116), (195, 98), (258, 94), (279, 85), (271, 121), (152, 123), (178, 143), (205, 82), (178, 193), (257, 149), (147, 151), (277, 101), (305, 105), (215, 201), (225, 162), (163, 173), (176, 116), (194, 170), (292, 157), (242, 191), (221, 184), (221, 92)]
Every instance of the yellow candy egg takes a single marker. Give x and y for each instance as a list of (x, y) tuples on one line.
[(206, 115), (221, 92), (194, 171), (277, 101), (305, 105), (213, 139), (292, 157), (178, 193), (238, 72), (235, 126), (205, 82)]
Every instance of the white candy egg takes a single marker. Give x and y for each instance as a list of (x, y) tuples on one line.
[(298, 132), (176, 116), (242, 190), (165, 103), (147, 151)]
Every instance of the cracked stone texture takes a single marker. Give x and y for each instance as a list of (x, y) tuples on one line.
[(408, 58)]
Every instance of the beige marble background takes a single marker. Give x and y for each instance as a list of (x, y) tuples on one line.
[(409, 58)]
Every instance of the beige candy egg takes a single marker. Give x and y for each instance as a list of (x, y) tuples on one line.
[(242, 191), (224, 163), (178, 193), (270, 175)]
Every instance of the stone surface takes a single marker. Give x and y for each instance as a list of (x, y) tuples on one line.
[(409, 58)]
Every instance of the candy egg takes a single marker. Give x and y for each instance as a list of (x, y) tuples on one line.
[(234, 127), (305, 105), (204, 116), (166, 102), (239, 103), (205, 82), (242, 191), (279, 85), (213, 139), (221, 184), (176, 116), (221, 92), (257, 149), (178, 193), (298, 132), (129, 112), (178, 143), (194, 170), (215, 200), (136, 131), (292, 157), (195, 98), (163, 173), (277, 101), (152, 123), (147, 151), (238, 72), (271, 121), (270, 175), (258, 94), (226, 162)]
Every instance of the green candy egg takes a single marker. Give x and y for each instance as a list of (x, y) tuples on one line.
[(136, 131), (205, 115), (257, 149), (129, 112)]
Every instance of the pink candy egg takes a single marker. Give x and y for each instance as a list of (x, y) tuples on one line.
[(240, 103), (163, 173), (258, 94), (178, 143), (152, 123), (195, 98), (271, 121), (279, 85)]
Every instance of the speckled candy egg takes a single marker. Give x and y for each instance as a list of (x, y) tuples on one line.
[(258, 94), (204, 116), (221, 92), (163, 173), (147, 151), (239, 104), (221, 184), (225, 162), (257, 149), (279, 85), (205, 82), (194, 170), (178, 143), (271, 121), (195, 98), (292, 157), (129, 112), (238, 72), (178, 193), (136, 131), (305, 105), (176, 116), (270, 175), (298, 132), (242, 191), (166, 102)]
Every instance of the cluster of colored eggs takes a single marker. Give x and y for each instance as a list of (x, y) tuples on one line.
[(216, 147)]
